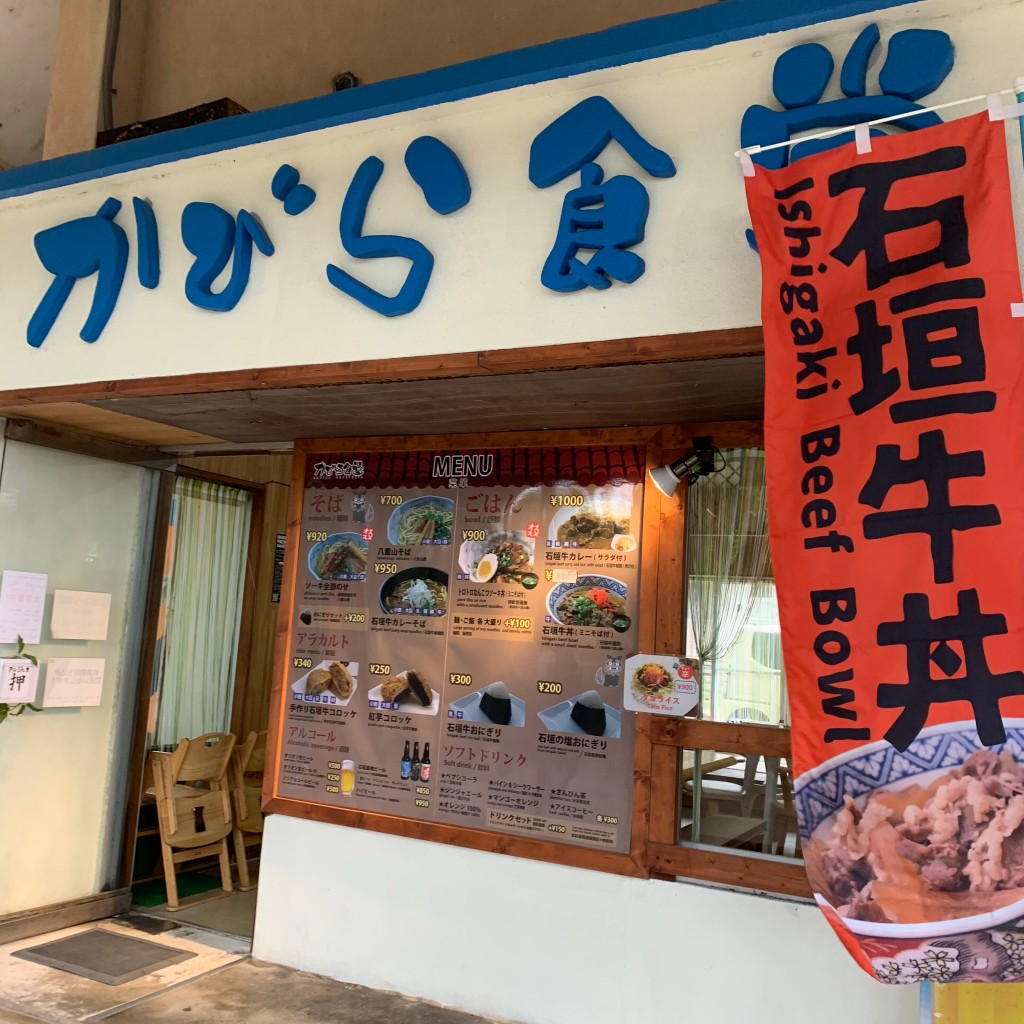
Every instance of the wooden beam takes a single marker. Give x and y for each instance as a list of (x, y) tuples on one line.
[(49, 435), (726, 736), (742, 341), (73, 113), (459, 835), (747, 871)]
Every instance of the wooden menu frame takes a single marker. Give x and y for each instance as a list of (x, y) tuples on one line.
[(660, 629)]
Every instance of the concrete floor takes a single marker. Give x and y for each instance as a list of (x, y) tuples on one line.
[(245, 991), (233, 914), (251, 992)]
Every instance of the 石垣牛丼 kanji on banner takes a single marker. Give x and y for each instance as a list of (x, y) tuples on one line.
[(894, 431)]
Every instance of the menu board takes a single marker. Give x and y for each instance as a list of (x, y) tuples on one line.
[(460, 626)]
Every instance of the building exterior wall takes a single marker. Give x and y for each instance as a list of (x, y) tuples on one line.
[(176, 53), (546, 944)]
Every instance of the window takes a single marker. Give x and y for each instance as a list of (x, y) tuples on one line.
[(729, 772)]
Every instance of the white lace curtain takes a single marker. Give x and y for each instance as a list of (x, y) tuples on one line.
[(728, 565), (203, 606)]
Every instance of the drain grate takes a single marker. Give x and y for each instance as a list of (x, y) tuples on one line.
[(106, 956)]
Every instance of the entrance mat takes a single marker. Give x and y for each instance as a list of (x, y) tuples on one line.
[(106, 956), (154, 894)]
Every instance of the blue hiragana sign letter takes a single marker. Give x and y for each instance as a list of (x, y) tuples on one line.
[(77, 249), (214, 237), (445, 185)]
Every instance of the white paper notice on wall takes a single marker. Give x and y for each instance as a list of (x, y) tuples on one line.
[(19, 680), (22, 597), (73, 682), (80, 615)]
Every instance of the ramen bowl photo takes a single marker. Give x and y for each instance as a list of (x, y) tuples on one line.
[(417, 591), (919, 855)]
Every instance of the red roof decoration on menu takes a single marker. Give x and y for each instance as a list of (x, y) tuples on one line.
[(505, 467)]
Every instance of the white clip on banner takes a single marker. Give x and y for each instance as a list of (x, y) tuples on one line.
[(747, 164), (862, 136), (1017, 309), (998, 111)]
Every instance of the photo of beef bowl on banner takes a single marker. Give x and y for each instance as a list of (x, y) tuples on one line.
[(895, 453)]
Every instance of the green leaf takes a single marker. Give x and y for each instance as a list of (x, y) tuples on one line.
[(4, 712)]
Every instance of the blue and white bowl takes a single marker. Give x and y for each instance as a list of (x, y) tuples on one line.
[(820, 793)]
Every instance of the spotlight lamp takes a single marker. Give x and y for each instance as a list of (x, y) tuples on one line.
[(703, 460)]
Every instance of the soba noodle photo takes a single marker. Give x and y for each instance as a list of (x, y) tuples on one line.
[(340, 556), (424, 521)]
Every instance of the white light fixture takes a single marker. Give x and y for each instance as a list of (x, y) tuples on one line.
[(702, 461)]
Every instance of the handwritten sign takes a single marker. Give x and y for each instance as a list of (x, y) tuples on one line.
[(22, 596), (19, 680), (73, 682), (80, 615)]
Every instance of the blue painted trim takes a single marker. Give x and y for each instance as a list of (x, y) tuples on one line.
[(698, 29)]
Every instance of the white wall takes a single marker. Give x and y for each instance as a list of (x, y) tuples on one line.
[(485, 291), (63, 771), (546, 944)]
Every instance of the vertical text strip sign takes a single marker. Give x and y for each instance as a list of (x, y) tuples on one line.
[(894, 429)]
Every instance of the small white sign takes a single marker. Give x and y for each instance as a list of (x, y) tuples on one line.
[(563, 575), (22, 597), (73, 682), (80, 615), (661, 684), (19, 680)]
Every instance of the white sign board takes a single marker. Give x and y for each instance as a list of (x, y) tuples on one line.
[(73, 682), (661, 684), (79, 615), (22, 596), (19, 680)]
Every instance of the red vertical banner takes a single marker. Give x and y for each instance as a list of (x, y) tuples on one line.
[(894, 430)]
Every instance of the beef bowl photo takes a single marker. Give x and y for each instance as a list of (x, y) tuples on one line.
[(919, 855)]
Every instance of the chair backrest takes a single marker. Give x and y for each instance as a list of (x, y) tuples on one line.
[(258, 756), (251, 757), (189, 817), (206, 758), (252, 754)]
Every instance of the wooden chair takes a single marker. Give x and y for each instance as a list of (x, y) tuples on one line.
[(249, 760), (785, 819), (193, 794)]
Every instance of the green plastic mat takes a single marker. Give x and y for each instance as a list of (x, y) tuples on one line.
[(154, 893)]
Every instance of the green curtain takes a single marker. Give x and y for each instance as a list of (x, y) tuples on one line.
[(210, 536)]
